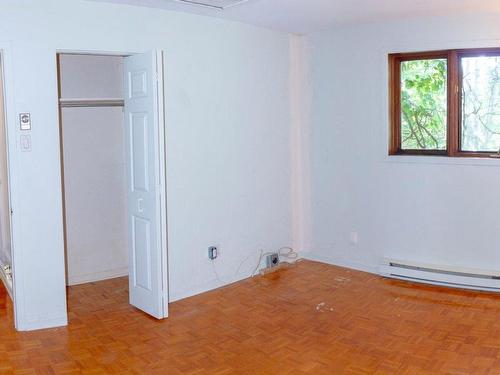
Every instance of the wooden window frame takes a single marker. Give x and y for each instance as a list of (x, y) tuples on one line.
[(454, 101)]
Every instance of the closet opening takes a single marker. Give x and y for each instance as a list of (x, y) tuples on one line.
[(113, 177), (5, 209), (93, 167)]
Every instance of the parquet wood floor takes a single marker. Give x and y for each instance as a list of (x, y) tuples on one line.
[(309, 319)]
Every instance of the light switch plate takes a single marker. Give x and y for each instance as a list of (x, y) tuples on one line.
[(25, 121), (25, 143)]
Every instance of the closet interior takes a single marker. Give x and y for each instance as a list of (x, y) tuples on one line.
[(5, 235), (93, 166)]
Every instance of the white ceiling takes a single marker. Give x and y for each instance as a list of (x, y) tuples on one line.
[(304, 16)]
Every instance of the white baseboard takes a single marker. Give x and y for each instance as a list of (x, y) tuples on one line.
[(209, 285), (43, 324), (341, 262), (215, 284), (206, 287), (97, 276)]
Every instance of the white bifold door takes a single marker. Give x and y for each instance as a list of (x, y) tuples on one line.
[(145, 160)]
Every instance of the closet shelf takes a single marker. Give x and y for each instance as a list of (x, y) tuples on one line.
[(75, 103)]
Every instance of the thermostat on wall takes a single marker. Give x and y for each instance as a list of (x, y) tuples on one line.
[(25, 121)]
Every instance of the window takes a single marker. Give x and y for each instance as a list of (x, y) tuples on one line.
[(445, 103)]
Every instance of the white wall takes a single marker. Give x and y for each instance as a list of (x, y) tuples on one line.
[(94, 170), (227, 113), (440, 211), (5, 248)]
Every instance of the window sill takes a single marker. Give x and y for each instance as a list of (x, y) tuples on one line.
[(442, 160)]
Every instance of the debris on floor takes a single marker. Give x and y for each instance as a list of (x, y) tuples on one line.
[(323, 307), (342, 279)]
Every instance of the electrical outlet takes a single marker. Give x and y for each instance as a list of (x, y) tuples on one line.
[(213, 252), (272, 260)]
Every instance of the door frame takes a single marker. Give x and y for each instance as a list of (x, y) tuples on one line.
[(162, 155), (11, 135)]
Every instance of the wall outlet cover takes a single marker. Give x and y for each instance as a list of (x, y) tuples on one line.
[(213, 252), (272, 260)]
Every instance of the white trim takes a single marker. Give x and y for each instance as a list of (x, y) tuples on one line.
[(442, 160), (420, 276), (207, 286), (163, 179), (97, 276), (162, 154), (335, 261), (41, 323), (216, 283)]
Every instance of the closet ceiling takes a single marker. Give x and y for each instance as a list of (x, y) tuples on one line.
[(304, 16)]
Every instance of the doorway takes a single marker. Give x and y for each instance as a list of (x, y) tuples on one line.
[(5, 211), (113, 177), (93, 159)]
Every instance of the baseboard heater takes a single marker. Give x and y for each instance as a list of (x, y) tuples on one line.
[(441, 275), (6, 277)]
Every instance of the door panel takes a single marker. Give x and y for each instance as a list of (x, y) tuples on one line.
[(145, 183), (139, 146), (142, 253)]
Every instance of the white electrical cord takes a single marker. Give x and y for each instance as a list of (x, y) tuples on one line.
[(288, 253), (285, 252), (217, 275), (237, 269), (261, 255)]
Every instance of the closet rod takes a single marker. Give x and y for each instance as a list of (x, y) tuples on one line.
[(75, 103)]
